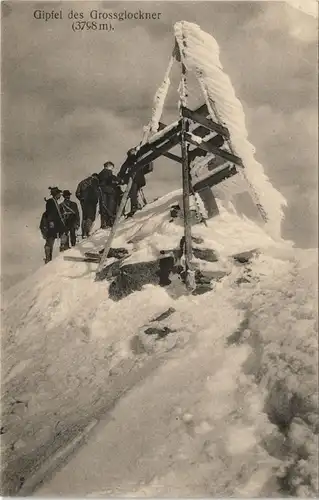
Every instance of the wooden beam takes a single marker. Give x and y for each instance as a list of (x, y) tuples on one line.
[(215, 163), (149, 146), (161, 146), (170, 132), (173, 157), (201, 131), (216, 178), (145, 160), (196, 153), (217, 141), (214, 150), (208, 123), (202, 110)]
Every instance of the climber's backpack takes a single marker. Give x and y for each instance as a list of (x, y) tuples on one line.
[(44, 225)]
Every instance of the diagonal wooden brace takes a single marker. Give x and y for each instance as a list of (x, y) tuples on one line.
[(206, 146), (99, 272), (207, 123)]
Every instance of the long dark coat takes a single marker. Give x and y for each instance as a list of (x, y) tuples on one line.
[(54, 218)]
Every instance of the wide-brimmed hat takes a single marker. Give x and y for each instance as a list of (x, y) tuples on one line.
[(66, 192), (55, 190)]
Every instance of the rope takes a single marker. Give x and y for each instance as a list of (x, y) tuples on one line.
[(67, 210), (58, 210)]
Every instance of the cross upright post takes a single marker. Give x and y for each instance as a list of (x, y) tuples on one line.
[(189, 275)]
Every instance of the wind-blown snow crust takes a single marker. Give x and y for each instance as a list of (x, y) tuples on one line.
[(200, 52)]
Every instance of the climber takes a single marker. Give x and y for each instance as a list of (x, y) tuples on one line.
[(108, 195), (52, 224), (87, 192), (138, 178), (107, 173), (70, 213)]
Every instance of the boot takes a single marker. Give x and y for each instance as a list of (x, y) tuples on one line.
[(83, 227), (64, 242), (48, 254), (89, 224)]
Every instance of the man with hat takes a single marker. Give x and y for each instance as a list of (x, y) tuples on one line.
[(87, 192), (106, 176), (54, 223), (71, 217), (108, 195)]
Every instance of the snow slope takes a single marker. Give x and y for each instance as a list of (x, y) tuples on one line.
[(189, 415)]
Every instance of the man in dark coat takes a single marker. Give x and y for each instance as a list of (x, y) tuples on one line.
[(87, 193), (70, 213), (108, 195), (106, 175), (53, 226), (138, 180)]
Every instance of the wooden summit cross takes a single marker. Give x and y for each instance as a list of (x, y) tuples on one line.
[(206, 136), (160, 145)]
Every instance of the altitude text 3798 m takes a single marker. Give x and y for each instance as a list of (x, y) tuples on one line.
[(91, 26)]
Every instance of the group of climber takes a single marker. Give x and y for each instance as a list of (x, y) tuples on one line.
[(104, 190)]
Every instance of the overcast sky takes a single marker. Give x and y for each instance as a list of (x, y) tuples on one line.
[(72, 100)]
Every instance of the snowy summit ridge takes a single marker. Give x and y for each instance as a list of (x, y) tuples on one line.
[(200, 53), (72, 348)]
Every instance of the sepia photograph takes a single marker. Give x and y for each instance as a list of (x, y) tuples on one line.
[(159, 249)]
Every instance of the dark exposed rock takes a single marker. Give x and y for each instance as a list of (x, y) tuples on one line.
[(203, 277), (205, 254), (166, 266), (132, 277), (200, 289), (245, 257), (279, 406), (275, 444), (175, 211), (160, 332), (197, 239), (110, 271), (242, 280), (215, 275), (164, 315), (117, 253)]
